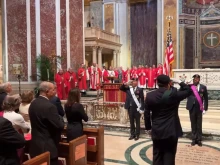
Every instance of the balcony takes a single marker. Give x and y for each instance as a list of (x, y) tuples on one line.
[(97, 37)]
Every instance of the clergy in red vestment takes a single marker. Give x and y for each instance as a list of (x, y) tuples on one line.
[(95, 77), (159, 69), (70, 78), (105, 75), (134, 74), (82, 78), (151, 76), (204, 2), (127, 75), (61, 85), (141, 77)]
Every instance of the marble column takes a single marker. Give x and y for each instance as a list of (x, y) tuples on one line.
[(114, 59), (182, 47), (160, 45), (100, 57), (94, 54), (118, 58)]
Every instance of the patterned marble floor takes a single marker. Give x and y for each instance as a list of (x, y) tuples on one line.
[(119, 150)]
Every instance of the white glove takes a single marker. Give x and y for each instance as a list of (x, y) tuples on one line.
[(203, 112), (176, 80), (141, 111), (189, 81)]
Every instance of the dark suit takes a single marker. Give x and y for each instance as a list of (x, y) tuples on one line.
[(46, 127), (2, 97), (166, 127), (131, 106), (10, 141), (195, 112), (56, 101)]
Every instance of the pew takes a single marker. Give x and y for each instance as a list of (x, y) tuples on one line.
[(95, 153), (75, 151), (43, 159)]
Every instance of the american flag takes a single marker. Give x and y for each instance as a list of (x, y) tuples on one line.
[(169, 56)]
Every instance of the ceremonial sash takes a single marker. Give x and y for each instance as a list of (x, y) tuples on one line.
[(135, 99), (198, 98)]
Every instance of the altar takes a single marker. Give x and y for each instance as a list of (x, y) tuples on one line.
[(112, 93)]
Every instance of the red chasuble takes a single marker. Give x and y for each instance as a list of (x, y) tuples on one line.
[(70, 78), (159, 71), (151, 76), (203, 2), (95, 75), (141, 78), (60, 82), (82, 79), (105, 76), (127, 75)]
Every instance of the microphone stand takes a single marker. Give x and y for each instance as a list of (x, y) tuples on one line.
[(19, 83)]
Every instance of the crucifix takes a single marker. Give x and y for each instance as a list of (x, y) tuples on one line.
[(211, 37)]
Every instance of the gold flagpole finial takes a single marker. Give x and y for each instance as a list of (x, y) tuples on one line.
[(169, 18)]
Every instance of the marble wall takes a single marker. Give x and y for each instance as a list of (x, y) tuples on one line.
[(86, 15), (143, 17), (189, 48), (109, 18), (96, 14), (29, 34)]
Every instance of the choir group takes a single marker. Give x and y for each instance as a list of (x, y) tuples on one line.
[(93, 77)]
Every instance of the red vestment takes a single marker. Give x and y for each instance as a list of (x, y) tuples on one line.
[(105, 76), (70, 78), (203, 2), (82, 79), (127, 75), (151, 76), (134, 73), (141, 78), (95, 75), (159, 71), (60, 82)]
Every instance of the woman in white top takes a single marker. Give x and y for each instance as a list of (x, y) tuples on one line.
[(10, 104), (26, 98)]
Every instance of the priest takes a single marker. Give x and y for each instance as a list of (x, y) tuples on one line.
[(95, 77), (141, 77), (82, 78), (61, 85), (70, 78)]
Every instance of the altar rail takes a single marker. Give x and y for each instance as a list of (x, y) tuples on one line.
[(209, 77)]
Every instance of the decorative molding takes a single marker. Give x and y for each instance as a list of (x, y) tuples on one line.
[(212, 11)]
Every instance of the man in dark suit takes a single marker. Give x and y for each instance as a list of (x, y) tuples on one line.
[(195, 112), (56, 101), (133, 94), (166, 127), (10, 141), (46, 124)]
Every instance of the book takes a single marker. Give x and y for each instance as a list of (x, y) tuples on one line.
[(91, 141)]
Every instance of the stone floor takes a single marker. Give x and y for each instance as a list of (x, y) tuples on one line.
[(119, 150)]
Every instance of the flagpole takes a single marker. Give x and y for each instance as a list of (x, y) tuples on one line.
[(169, 18)]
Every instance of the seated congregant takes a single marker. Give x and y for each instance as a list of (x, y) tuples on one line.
[(75, 113)]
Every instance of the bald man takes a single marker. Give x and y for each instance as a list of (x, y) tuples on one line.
[(46, 123)]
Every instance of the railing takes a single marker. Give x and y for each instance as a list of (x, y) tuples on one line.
[(101, 34)]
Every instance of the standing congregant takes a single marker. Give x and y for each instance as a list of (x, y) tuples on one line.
[(134, 104), (61, 85), (46, 124), (197, 104), (82, 78), (70, 78), (166, 128)]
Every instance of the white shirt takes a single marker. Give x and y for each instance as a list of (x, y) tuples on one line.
[(17, 121)]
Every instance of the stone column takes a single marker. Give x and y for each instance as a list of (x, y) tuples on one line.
[(118, 58), (182, 47), (94, 54), (160, 45), (100, 57), (114, 58)]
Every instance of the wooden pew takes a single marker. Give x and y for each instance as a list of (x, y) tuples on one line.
[(95, 153), (75, 151), (43, 159)]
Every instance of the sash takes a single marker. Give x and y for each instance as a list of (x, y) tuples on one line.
[(1, 113), (196, 93), (136, 100)]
